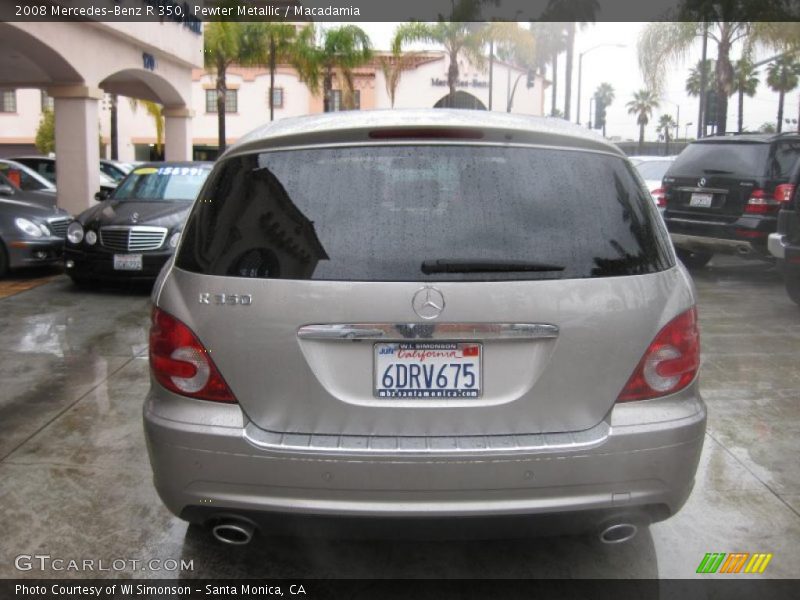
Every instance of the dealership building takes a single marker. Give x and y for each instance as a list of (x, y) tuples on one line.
[(78, 68), (73, 67)]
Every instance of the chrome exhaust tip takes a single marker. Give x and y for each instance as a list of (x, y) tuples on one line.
[(235, 533), (618, 533)]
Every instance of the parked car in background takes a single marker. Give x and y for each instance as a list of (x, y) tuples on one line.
[(9, 179), (114, 169), (723, 194), (31, 234), (652, 169), (25, 178), (784, 244), (46, 167), (402, 314), (133, 233)]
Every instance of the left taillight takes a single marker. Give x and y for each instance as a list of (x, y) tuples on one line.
[(659, 197), (180, 362), (670, 362)]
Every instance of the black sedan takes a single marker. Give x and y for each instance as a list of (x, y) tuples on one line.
[(133, 233)]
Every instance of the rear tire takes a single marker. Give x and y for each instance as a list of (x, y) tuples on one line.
[(81, 282), (792, 279), (694, 259)]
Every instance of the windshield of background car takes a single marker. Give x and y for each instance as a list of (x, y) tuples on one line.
[(22, 178), (180, 183), (653, 169), (376, 213), (112, 172), (724, 158)]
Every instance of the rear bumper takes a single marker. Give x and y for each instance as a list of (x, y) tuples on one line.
[(644, 464), (746, 236)]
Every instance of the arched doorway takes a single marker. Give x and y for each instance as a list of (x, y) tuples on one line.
[(460, 100), (44, 55)]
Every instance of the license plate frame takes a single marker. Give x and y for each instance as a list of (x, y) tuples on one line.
[(448, 354), (127, 262), (701, 200)]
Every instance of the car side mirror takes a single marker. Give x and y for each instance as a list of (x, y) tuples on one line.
[(101, 195), (6, 190)]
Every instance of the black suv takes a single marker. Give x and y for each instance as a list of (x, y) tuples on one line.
[(723, 194), (785, 243)]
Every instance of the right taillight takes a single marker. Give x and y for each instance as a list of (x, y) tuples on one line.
[(670, 362), (784, 192), (761, 203), (659, 197), (180, 362)]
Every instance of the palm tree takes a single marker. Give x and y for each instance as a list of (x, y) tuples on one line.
[(573, 13), (745, 81), (113, 101), (155, 111), (662, 43), (782, 77), (393, 67), (604, 94), (224, 45), (274, 42), (551, 41), (344, 48), (458, 38), (513, 44), (665, 124), (695, 75), (642, 105)]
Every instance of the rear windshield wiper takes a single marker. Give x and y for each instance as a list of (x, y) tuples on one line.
[(450, 265), (717, 172)]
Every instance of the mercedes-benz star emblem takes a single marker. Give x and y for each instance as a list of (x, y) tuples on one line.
[(135, 217), (428, 303), (702, 182)]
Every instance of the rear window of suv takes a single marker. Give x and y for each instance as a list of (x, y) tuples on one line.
[(379, 213), (724, 158)]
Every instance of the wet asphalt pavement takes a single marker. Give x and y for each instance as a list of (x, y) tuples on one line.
[(75, 480)]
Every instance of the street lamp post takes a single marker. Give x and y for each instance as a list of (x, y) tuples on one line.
[(686, 132), (580, 73)]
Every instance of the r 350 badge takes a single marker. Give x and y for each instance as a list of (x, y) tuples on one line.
[(225, 299)]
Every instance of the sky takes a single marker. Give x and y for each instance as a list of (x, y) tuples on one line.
[(619, 67)]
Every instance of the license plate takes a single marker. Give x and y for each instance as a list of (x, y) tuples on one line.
[(701, 200), (128, 262), (427, 370)]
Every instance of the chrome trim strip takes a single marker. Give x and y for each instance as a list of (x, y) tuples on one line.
[(425, 445), (681, 238), (703, 222), (428, 331), (140, 228), (706, 190)]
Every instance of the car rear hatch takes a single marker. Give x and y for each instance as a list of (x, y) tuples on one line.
[(712, 181), (424, 290)]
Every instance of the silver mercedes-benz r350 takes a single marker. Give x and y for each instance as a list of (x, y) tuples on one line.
[(427, 317)]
